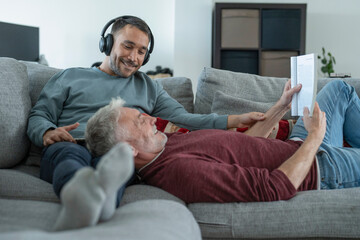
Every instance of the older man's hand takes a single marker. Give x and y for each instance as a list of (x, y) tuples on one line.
[(244, 120)]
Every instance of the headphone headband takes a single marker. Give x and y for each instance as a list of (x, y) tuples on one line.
[(106, 42)]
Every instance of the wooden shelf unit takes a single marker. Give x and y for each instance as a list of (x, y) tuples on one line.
[(258, 38)]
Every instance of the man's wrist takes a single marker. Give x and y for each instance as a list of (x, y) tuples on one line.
[(283, 107), (315, 137), (231, 123), (47, 130)]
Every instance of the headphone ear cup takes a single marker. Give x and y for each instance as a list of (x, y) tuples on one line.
[(146, 58), (102, 44), (149, 51), (109, 41)]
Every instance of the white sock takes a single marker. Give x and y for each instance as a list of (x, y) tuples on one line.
[(82, 199), (113, 171)]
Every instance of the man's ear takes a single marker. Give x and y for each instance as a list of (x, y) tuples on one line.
[(134, 150)]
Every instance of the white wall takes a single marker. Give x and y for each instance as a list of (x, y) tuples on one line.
[(330, 23), (70, 30), (193, 29)]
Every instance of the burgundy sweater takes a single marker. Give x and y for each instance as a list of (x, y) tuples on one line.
[(225, 166)]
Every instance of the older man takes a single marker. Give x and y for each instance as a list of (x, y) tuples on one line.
[(223, 166)]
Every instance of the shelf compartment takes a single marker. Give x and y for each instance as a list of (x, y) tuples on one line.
[(240, 61), (276, 63), (240, 28), (281, 28)]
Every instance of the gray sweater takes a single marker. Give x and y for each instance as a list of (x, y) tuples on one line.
[(75, 94)]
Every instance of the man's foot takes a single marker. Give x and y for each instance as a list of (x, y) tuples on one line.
[(91, 194), (113, 171), (82, 199)]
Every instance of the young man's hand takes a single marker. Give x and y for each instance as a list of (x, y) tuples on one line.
[(244, 120), (315, 125), (60, 134)]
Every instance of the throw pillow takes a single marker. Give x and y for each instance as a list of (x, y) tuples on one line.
[(247, 86), (15, 106), (226, 104)]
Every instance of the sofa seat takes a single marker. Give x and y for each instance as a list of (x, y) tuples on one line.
[(23, 182), (147, 219), (27, 215), (310, 214)]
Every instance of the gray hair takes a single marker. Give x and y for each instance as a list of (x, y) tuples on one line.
[(102, 129)]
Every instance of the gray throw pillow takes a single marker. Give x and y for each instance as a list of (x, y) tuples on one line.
[(247, 86), (15, 106), (226, 104)]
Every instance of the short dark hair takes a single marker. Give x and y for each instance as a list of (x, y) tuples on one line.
[(133, 21)]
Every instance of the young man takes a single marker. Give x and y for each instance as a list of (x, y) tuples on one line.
[(223, 166), (71, 97)]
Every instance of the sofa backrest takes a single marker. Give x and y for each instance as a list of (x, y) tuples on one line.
[(38, 76), (226, 92), (179, 88), (14, 110)]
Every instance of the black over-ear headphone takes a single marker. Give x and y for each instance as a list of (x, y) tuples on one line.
[(106, 42)]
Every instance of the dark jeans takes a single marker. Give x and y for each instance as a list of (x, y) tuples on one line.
[(61, 160)]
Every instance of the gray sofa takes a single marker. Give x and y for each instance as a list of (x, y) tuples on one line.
[(28, 206)]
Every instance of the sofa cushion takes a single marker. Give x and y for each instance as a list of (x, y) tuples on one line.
[(324, 214), (14, 111), (38, 77), (25, 215), (34, 156), (227, 104), (179, 88), (149, 219), (139, 192), (355, 82), (247, 86), (22, 183)]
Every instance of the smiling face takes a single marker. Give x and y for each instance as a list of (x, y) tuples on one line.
[(128, 52), (143, 135)]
